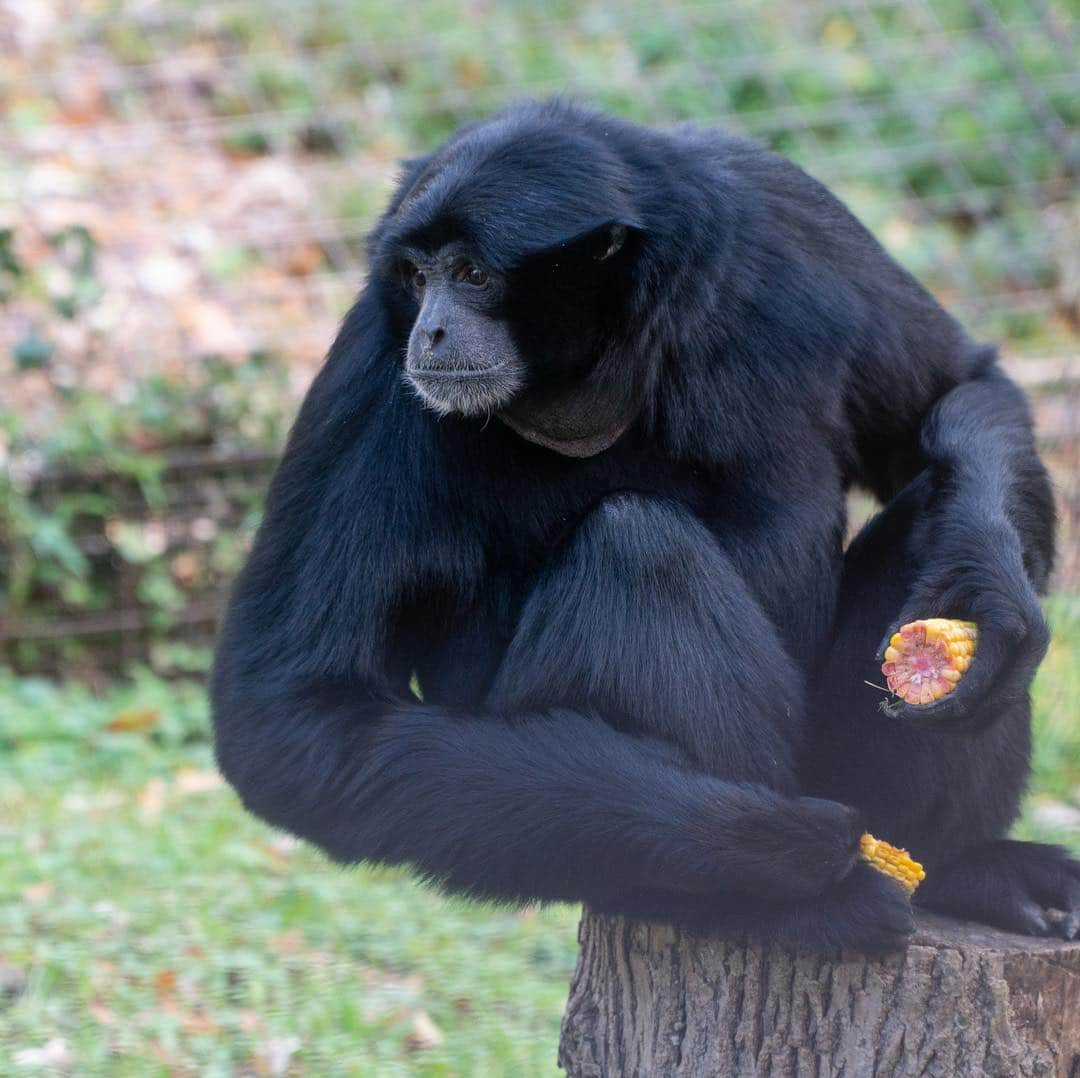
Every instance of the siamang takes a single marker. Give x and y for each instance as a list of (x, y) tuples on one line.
[(551, 601)]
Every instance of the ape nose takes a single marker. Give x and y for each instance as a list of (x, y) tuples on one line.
[(435, 336)]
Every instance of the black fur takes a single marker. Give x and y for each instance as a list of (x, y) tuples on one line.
[(636, 664)]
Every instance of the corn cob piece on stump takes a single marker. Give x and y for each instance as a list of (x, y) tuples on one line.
[(926, 659), (892, 861)]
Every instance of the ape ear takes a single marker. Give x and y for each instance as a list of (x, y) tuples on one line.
[(612, 236), (591, 243), (603, 242)]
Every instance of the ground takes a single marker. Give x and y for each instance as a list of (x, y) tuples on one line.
[(148, 925)]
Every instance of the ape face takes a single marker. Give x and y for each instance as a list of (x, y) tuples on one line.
[(481, 337), (461, 355), (510, 274)]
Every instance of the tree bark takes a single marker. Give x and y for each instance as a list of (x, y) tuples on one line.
[(962, 1001)]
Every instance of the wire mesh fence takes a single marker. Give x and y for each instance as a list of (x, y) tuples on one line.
[(239, 142), (185, 182)]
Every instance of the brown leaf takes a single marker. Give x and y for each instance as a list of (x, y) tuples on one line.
[(424, 1034), (38, 892), (134, 720), (165, 983), (304, 260)]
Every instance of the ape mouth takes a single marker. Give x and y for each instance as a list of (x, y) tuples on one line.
[(471, 391), (465, 372)]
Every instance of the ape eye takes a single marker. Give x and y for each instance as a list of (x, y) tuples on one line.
[(411, 276), (473, 275)]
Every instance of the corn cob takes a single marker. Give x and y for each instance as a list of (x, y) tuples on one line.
[(926, 659), (892, 861)]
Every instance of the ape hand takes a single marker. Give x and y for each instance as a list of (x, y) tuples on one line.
[(785, 850), (975, 573)]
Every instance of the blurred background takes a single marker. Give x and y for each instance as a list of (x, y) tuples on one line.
[(184, 191)]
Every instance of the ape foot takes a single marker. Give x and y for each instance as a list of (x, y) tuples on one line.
[(866, 911), (1024, 887)]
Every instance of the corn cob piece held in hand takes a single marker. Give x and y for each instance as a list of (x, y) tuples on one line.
[(925, 659), (892, 861)]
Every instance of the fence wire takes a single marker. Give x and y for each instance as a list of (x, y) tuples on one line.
[(184, 180), (212, 149)]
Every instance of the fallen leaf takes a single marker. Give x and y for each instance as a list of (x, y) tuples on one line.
[(101, 1014), (249, 1021), (279, 849), (304, 260), (424, 1034), (38, 892), (198, 1023), (135, 720), (212, 327), (274, 1056), (152, 798), (190, 780), (165, 983)]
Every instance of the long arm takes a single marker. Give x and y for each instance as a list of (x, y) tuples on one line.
[(979, 443), (984, 544), (317, 730), (555, 805)]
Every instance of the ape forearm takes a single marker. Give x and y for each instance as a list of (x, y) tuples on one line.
[(977, 435), (552, 807), (978, 442)]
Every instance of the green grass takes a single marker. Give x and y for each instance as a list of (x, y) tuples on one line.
[(162, 930), (158, 929)]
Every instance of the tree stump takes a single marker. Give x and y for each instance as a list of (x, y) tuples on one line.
[(964, 1000)]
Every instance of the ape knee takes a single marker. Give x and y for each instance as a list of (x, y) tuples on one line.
[(643, 615)]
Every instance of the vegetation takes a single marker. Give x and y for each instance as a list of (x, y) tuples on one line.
[(149, 926)]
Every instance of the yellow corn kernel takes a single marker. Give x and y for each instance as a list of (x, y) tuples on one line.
[(892, 861), (925, 659)]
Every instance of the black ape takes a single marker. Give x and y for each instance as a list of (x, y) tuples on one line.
[(577, 461)]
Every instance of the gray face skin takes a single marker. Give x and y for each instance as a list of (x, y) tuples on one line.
[(462, 359), (460, 356)]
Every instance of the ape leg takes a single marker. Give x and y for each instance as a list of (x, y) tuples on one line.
[(644, 616), (950, 798)]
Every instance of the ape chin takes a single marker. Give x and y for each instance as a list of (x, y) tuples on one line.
[(476, 392), (576, 466)]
